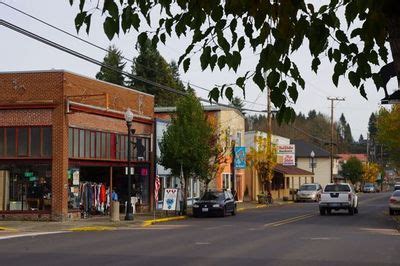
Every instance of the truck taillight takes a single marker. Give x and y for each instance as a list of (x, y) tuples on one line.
[(349, 197)]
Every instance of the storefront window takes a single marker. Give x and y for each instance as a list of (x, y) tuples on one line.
[(25, 188), (22, 141), (2, 143), (35, 142), (10, 137)]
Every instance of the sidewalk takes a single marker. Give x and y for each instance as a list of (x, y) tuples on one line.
[(103, 223)]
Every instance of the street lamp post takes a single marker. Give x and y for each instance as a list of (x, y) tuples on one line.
[(128, 119), (312, 155)]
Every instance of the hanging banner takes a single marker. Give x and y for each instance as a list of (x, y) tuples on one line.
[(240, 157), (170, 199)]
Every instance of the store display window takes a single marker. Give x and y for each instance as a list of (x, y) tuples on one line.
[(25, 187)]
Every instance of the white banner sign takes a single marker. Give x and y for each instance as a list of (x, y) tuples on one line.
[(286, 154), (285, 149), (170, 199)]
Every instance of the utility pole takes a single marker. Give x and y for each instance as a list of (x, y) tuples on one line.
[(332, 99), (269, 137)]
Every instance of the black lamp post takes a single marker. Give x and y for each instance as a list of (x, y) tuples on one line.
[(128, 119), (312, 155)]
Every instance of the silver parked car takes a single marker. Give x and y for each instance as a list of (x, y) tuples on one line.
[(310, 191), (394, 202)]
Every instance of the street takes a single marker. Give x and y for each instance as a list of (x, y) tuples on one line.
[(293, 234)]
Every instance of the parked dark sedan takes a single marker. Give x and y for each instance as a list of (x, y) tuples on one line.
[(215, 203)]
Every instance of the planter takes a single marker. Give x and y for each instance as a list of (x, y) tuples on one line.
[(262, 198)]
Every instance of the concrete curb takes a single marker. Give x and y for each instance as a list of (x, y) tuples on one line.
[(7, 229), (163, 220), (91, 228)]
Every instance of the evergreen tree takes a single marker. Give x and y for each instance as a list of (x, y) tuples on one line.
[(113, 58), (238, 104), (150, 65), (361, 139)]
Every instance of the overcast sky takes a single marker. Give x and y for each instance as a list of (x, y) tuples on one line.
[(20, 53)]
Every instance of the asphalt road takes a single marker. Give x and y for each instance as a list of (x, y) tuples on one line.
[(294, 234)]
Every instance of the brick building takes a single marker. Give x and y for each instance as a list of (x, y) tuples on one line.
[(61, 133)]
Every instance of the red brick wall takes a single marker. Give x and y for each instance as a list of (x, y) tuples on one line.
[(52, 87)]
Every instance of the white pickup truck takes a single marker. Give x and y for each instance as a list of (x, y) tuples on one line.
[(339, 196)]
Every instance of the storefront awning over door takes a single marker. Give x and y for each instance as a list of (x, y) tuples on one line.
[(291, 170)]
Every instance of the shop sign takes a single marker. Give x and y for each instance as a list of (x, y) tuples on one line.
[(75, 178), (132, 170), (288, 159), (240, 157), (285, 149), (286, 154), (170, 199), (33, 178), (28, 174)]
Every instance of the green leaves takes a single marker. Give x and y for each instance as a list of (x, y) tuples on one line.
[(79, 19), (205, 57), (259, 80), (354, 79), (315, 63), (229, 93), (186, 64), (241, 43), (214, 94), (111, 27)]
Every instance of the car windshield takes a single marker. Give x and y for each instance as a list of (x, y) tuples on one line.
[(396, 193), (213, 196), (337, 187), (368, 185), (308, 187)]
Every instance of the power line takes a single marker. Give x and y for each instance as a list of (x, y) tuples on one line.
[(94, 61), (102, 48)]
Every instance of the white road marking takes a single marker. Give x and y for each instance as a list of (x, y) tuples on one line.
[(202, 243), (32, 234)]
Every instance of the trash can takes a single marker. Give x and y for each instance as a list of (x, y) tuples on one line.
[(114, 211)]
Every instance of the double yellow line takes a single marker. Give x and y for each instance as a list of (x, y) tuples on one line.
[(289, 220)]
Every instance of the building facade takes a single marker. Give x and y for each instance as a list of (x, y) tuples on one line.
[(320, 165), (230, 123), (63, 145)]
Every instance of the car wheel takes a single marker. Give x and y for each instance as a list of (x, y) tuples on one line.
[(329, 211), (391, 212), (356, 210), (234, 211), (322, 211), (351, 211)]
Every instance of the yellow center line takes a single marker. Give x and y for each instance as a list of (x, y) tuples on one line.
[(289, 220)]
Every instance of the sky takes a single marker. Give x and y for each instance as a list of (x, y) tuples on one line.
[(20, 53)]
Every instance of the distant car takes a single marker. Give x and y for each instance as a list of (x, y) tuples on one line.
[(369, 188), (397, 186), (394, 202), (215, 203), (310, 191)]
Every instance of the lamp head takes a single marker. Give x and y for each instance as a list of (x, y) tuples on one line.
[(312, 154), (128, 115)]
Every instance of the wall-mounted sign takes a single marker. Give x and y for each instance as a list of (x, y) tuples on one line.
[(240, 157), (286, 154)]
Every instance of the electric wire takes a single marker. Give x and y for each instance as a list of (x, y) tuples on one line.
[(102, 48), (95, 61)]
